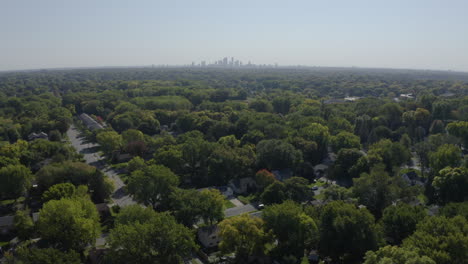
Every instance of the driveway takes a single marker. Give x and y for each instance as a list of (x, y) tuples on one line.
[(91, 156), (239, 210), (236, 202)]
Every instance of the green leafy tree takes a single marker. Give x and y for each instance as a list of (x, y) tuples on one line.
[(347, 232), (281, 104), (377, 190), (261, 105), (345, 140), (336, 192), (447, 155), (152, 185), (69, 223), (24, 224), (14, 180), (274, 193), (59, 191), (294, 230), (347, 166), (189, 206), (396, 255), (393, 154), (460, 130), (109, 141), (136, 163), (454, 209), (145, 236), (132, 135), (77, 173), (34, 255), (277, 154), (263, 178), (298, 189), (244, 235), (451, 185), (171, 157), (226, 163), (212, 205), (320, 135), (445, 240), (399, 221)]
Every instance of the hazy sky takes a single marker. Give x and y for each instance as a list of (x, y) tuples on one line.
[(422, 34)]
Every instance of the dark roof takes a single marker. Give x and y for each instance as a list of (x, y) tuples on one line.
[(90, 122), (7, 221), (282, 175)]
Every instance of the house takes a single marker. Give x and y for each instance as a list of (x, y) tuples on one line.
[(40, 135), (89, 122), (407, 96), (351, 98), (313, 257), (103, 210), (208, 236), (412, 178), (119, 157), (35, 217), (6, 224), (282, 175), (320, 170), (243, 185), (448, 94)]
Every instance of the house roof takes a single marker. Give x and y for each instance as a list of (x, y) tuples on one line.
[(35, 217), (90, 122), (7, 221), (208, 230), (282, 175), (320, 167)]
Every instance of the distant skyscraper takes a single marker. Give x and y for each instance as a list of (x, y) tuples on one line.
[(203, 63), (225, 61)]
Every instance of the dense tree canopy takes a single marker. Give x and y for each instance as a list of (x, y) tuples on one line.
[(320, 147)]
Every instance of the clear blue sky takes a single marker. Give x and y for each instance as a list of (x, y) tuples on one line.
[(422, 34)]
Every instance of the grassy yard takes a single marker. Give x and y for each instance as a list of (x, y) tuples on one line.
[(248, 199), (11, 201), (318, 184), (228, 204)]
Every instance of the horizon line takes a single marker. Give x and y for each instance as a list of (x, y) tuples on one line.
[(258, 66)]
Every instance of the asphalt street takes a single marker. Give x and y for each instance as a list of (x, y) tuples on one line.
[(91, 156)]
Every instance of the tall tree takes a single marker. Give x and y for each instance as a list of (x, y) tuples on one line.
[(347, 232), (14, 180), (145, 236), (69, 223), (447, 155), (244, 235), (399, 221), (396, 255), (277, 154), (377, 190), (445, 240), (294, 230), (152, 185), (110, 141), (451, 185)]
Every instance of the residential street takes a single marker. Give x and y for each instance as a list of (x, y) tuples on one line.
[(239, 210), (91, 156)]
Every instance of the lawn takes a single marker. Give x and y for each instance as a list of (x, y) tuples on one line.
[(247, 199), (228, 204), (318, 184)]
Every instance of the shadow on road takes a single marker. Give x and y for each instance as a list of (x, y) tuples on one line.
[(89, 150), (119, 193)]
